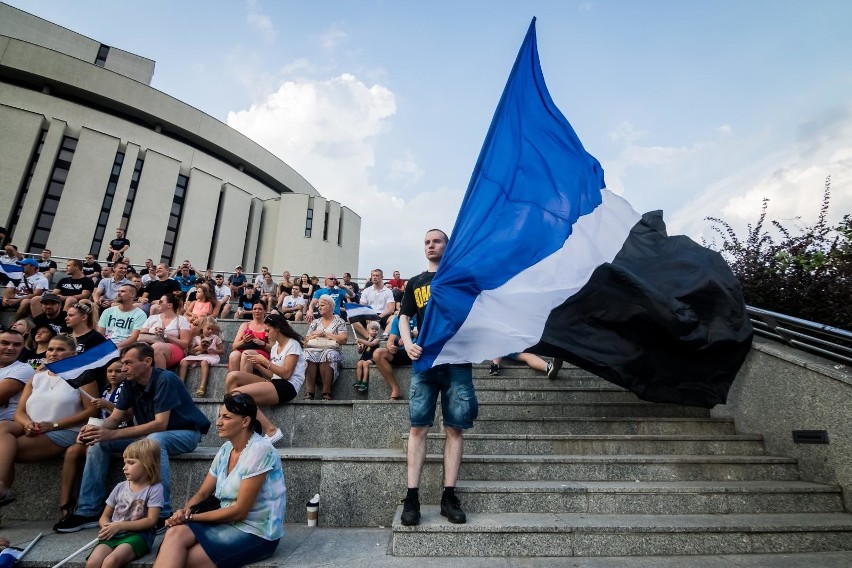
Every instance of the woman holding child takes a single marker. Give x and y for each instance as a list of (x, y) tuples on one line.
[(247, 478), (47, 420)]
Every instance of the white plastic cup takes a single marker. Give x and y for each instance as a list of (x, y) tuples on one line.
[(95, 422)]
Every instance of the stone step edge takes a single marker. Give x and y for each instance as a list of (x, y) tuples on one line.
[(383, 454), (607, 437), (469, 486), (433, 522)]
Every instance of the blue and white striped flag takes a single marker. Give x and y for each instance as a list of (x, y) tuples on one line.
[(543, 258), (92, 358), (360, 310), (12, 271)]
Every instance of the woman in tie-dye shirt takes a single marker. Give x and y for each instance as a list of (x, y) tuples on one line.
[(247, 478)]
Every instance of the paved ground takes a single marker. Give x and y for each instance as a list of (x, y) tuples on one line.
[(305, 547)]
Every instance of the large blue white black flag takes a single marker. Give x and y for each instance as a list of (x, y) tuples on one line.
[(87, 366), (544, 258)]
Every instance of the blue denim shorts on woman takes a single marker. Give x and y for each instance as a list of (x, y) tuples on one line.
[(458, 397)]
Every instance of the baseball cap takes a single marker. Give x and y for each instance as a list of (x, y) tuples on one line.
[(28, 261), (48, 297)]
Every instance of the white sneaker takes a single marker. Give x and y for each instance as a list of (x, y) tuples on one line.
[(275, 437)]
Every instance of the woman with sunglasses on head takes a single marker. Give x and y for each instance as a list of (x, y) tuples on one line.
[(282, 374), (82, 318), (247, 478)]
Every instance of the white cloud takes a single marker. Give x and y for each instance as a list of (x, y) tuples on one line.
[(405, 171), (332, 37), (327, 130), (791, 179), (259, 21), (724, 129)]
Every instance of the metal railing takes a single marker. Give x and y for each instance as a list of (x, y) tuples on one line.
[(830, 342)]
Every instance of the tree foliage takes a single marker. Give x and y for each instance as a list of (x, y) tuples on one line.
[(805, 273)]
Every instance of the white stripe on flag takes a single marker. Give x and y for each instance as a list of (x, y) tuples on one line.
[(511, 318), (354, 310)]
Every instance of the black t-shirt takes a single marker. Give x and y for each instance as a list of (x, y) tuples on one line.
[(45, 265), (89, 269), (117, 244), (74, 286), (416, 296), (158, 288), (57, 323), (89, 340), (246, 302)]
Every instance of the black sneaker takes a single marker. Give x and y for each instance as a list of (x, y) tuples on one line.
[(74, 523), (553, 369), (410, 512), (495, 370), (451, 508)]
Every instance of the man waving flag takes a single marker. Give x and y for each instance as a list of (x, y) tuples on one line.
[(544, 258)]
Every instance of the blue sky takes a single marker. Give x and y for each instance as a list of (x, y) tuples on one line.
[(696, 108)]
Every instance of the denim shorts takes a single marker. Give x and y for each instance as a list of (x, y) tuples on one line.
[(229, 547), (458, 397)]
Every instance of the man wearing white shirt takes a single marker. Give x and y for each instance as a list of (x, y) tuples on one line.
[(14, 375), (107, 290), (18, 295), (379, 298), (223, 296)]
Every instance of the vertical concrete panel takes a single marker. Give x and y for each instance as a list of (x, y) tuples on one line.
[(231, 240), (293, 250), (198, 218), (18, 138), (150, 218), (38, 185), (131, 152), (253, 235), (83, 194), (268, 244), (350, 246)]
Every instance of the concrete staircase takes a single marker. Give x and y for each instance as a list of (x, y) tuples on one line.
[(572, 467)]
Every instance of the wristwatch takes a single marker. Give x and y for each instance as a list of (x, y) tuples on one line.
[(56, 426)]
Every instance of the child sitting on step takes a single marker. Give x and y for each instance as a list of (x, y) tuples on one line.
[(205, 350), (129, 520), (366, 348)]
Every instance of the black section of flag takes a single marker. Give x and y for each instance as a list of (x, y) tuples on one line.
[(666, 319)]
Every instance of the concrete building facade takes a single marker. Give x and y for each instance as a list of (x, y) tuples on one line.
[(87, 145)]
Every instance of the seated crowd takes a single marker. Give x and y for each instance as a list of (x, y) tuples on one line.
[(164, 320)]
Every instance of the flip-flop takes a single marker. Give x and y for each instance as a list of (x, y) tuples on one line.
[(363, 387), (326, 396), (395, 398), (308, 396)]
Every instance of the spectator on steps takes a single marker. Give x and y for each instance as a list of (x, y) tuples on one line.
[(325, 336), (82, 318), (292, 306), (91, 268), (223, 297), (280, 377), (248, 299), (14, 374), (250, 340), (393, 355), (47, 419), (22, 295), (117, 246), (163, 410), (158, 287), (379, 298), (167, 332), (74, 287), (205, 350), (47, 266), (50, 313), (247, 479), (551, 369), (237, 282), (122, 322), (108, 287)]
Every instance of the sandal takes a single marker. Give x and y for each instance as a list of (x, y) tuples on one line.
[(395, 398), (326, 396), (363, 387), (200, 391), (308, 396)]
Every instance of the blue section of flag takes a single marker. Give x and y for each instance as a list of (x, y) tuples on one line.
[(13, 271), (531, 183), (92, 358)]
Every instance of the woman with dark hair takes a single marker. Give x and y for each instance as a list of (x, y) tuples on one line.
[(282, 374), (167, 332), (247, 478), (250, 340)]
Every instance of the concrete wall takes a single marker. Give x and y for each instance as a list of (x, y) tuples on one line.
[(83, 195), (151, 208), (231, 240), (24, 26), (198, 219), (780, 390), (18, 137)]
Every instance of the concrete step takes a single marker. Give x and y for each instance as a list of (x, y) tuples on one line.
[(555, 393), (494, 410), (660, 498), (596, 425), (363, 486), (572, 444), (569, 534)]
